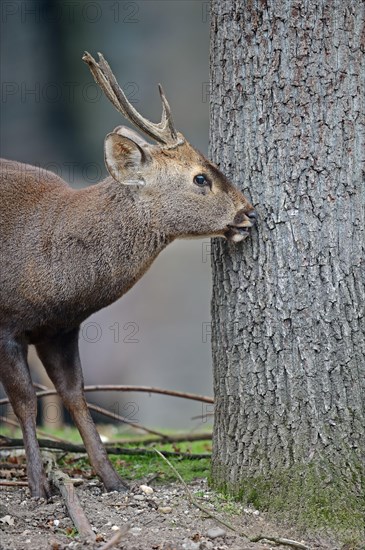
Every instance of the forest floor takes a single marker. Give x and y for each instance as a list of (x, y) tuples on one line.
[(161, 517), (164, 521)]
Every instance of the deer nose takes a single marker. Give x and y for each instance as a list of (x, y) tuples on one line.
[(253, 216), (245, 218)]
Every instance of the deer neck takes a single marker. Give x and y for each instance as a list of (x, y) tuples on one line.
[(110, 238)]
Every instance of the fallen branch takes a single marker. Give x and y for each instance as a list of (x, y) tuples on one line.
[(65, 485), (45, 392), (104, 412), (124, 420), (100, 410), (177, 438), (160, 437), (202, 417), (151, 452), (13, 483), (39, 432), (118, 387), (149, 389), (8, 443), (222, 521)]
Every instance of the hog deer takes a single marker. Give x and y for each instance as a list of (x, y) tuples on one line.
[(67, 253)]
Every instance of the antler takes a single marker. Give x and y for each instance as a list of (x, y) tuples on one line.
[(164, 132)]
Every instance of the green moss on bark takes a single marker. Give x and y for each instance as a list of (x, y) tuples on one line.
[(311, 497)]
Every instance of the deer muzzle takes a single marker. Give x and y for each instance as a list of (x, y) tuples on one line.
[(242, 223)]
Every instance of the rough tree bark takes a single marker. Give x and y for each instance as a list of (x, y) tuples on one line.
[(288, 335)]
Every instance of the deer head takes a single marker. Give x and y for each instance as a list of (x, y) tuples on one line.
[(188, 195)]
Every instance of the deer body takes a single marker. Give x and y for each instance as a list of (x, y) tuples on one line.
[(67, 253), (83, 253)]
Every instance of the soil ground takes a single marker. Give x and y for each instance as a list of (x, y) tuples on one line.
[(162, 520)]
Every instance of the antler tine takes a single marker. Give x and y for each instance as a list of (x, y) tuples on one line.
[(166, 113), (100, 79), (163, 132)]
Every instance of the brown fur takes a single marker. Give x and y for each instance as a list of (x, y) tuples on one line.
[(67, 253)]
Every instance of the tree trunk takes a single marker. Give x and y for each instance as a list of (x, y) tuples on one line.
[(288, 334)]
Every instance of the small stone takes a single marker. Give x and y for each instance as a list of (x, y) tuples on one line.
[(139, 497), (216, 532), (165, 509), (190, 545), (115, 528), (135, 531), (77, 481), (7, 519), (251, 511), (146, 489)]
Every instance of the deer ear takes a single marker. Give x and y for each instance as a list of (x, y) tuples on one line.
[(124, 159), (132, 134)]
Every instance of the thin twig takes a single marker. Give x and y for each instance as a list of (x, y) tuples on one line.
[(116, 538), (14, 483), (150, 452), (276, 540), (123, 388), (173, 438), (124, 420), (45, 392), (8, 443), (202, 417), (66, 487), (150, 389), (39, 432), (102, 411)]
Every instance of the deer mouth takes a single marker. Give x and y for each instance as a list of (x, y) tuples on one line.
[(240, 230), (236, 234)]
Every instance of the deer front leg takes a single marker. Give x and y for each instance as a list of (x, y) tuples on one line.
[(15, 377), (60, 357)]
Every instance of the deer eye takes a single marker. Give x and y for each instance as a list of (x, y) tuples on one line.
[(201, 179)]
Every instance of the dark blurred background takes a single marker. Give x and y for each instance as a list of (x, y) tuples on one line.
[(54, 116)]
